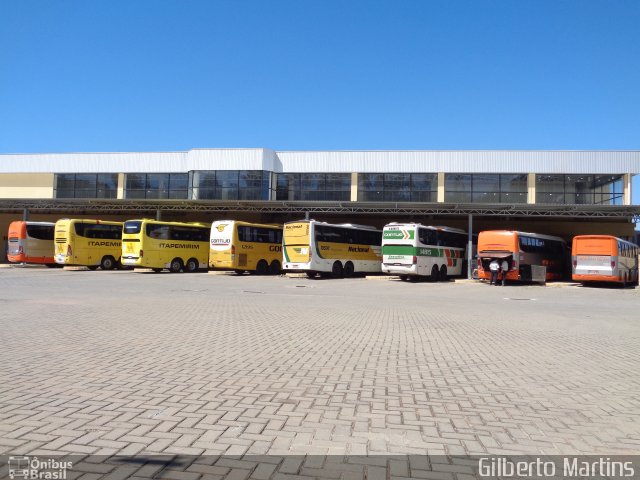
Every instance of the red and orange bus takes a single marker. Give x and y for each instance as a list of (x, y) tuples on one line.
[(31, 242), (522, 251), (604, 258)]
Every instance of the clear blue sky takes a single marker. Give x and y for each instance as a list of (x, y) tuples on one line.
[(173, 75)]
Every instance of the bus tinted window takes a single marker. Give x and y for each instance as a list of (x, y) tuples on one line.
[(94, 230), (40, 232), (133, 226), (247, 233), (176, 232), (348, 235)]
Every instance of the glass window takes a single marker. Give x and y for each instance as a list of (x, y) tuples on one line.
[(227, 178), (86, 185), (313, 181), (40, 232), (457, 182)]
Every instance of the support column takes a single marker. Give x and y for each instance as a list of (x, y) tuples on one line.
[(626, 198), (25, 214), (120, 191), (158, 214), (470, 248), (440, 187), (531, 188), (354, 187)]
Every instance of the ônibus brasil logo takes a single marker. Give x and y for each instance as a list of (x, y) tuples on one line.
[(33, 468), (398, 234)]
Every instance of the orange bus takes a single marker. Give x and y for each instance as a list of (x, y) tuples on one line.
[(522, 250), (31, 242), (603, 258)]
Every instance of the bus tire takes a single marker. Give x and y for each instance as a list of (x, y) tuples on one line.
[(275, 268), (443, 273), (336, 270), (175, 266), (157, 270), (404, 278), (349, 270), (435, 273), (262, 268), (108, 263), (311, 274), (192, 265)]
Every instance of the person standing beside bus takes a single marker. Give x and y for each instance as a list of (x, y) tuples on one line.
[(504, 268), (494, 266)]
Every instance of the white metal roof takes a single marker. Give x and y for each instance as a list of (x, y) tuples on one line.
[(454, 161)]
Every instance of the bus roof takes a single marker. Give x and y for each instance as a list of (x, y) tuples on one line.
[(528, 234), (341, 225), (179, 224), (432, 227), (242, 222), (603, 237)]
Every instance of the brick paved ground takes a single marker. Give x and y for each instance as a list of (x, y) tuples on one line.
[(130, 363)]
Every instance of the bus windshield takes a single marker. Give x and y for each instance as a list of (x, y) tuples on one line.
[(132, 226)]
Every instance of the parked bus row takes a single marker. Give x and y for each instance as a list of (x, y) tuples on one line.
[(408, 250)]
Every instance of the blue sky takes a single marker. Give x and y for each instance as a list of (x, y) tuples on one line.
[(173, 75)]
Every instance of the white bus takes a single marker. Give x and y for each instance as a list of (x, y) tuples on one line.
[(329, 249), (412, 250)]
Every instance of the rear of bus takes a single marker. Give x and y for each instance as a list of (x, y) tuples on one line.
[(31, 242), (90, 243), (133, 243), (399, 249), (222, 250), (296, 245), (595, 259), (500, 245), (17, 239)]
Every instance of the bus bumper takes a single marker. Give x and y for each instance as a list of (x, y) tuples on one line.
[(62, 259), (297, 266), (583, 277), (399, 269)]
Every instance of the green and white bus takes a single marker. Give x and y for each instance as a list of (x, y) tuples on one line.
[(412, 250)]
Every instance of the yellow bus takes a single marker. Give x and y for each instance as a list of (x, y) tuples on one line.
[(91, 243), (159, 245), (243, 246), (339, 250)]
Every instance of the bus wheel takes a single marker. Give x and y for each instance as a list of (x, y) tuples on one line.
[(108, 263), (336, 270), (192, 265), (176, 265), (274, 268), (157, 270), (404, 278), (443, 273), (435, 273), (262, 268), (348, 269), (311, 274)]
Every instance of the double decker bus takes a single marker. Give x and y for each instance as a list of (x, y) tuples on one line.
[(91, 243), (324, 248), (31, 242), (604, 258), (412, 250), (244, 246), (158, 245), (522, 250)]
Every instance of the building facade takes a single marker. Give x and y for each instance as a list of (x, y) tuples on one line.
[(458, 177)]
